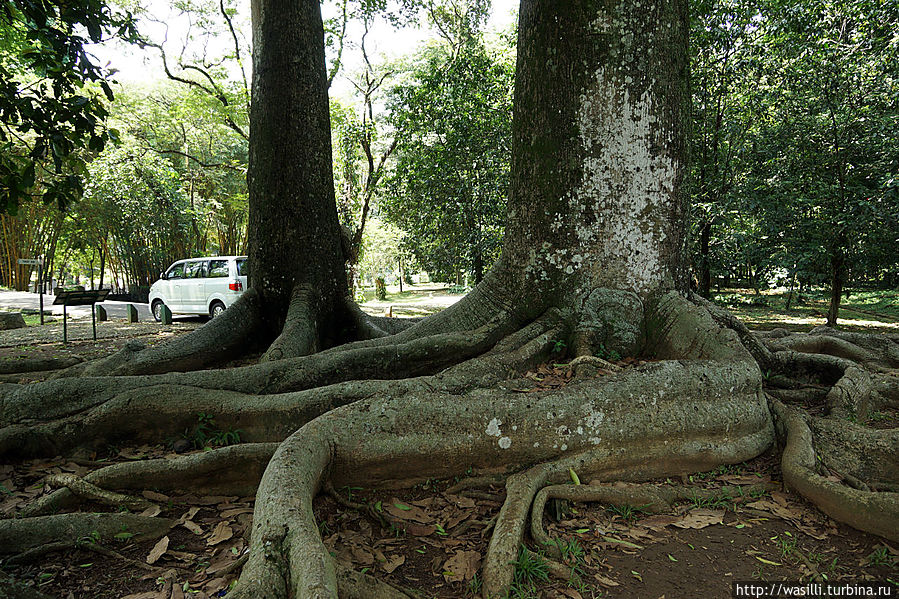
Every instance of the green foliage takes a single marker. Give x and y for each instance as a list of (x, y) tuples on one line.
[(794, 170), (206, 434), (382, 251), (607, 354), (134, 204), (530, 570), (52, 96), (628, 513), (881, 557), (448, 186)]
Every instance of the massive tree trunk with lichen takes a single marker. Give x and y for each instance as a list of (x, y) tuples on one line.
[(593, 262)]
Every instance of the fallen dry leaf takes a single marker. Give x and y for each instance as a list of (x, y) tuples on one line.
[(192, 527), (606, 582), (778, 509), (154, 496), (230, 513), (189, 514), (742, 479), (214, 499), (222, 533), (393, 562), (215, 585), (152, 511), (463, 565), (221, 562), (177, 592), (404, 511), (362, 556), (700, 519), (158, 549), (419, 530)]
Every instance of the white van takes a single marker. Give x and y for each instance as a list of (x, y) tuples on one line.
[(199, 286)]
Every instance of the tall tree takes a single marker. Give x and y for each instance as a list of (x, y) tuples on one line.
[(593, 259), (450, 179)]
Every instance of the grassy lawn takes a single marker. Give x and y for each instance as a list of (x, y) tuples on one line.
[(862, 311)]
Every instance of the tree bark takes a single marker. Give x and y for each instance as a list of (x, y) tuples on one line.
[(837, 275), (294, 234), (705, 271), (599, 153)]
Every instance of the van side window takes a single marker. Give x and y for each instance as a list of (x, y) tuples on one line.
[(218, 268), (176, 272), (194, 270), (241, 268)]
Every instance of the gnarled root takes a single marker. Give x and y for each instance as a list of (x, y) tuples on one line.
[(647, 498), (223, 338), (30, 536), (93, 416), (299, 335), (234, 470), (651, 421), (873, 351), (874, 512)]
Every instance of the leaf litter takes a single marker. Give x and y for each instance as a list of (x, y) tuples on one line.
[(435, 541)]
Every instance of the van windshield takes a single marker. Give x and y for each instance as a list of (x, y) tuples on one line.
[(242, 268)]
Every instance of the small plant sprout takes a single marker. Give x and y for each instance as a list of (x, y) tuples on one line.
[(881, 557)]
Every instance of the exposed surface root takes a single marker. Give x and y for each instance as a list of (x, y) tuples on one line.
[(166, 411), (88, 492), (695, 403), (375, 327), (31, 365), (356, 585), (647, 498), (21, 535), (219, 340), (649, 421), (878, 352), (874, 512), (299, 335), (750, 341), (232, 470)]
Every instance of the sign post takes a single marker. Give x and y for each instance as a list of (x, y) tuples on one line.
[(79, 298), (39, 262)]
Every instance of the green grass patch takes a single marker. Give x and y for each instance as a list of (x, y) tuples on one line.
[(767, 310)]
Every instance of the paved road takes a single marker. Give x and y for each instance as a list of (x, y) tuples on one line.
[(18, 300)]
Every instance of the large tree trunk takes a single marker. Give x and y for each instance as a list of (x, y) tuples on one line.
[(598, 162), (296, 254)]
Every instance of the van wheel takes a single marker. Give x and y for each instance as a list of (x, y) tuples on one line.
[(156, 308), (216, 309)]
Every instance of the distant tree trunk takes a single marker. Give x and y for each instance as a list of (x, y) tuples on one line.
[(102, 266), (478, 266), (705, 270), (792, 284), (837, 280)]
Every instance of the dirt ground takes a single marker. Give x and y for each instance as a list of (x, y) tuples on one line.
[(433, 541)]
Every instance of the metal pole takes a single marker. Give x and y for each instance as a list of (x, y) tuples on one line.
[(94, 319), (65, 325), (40, 282)]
